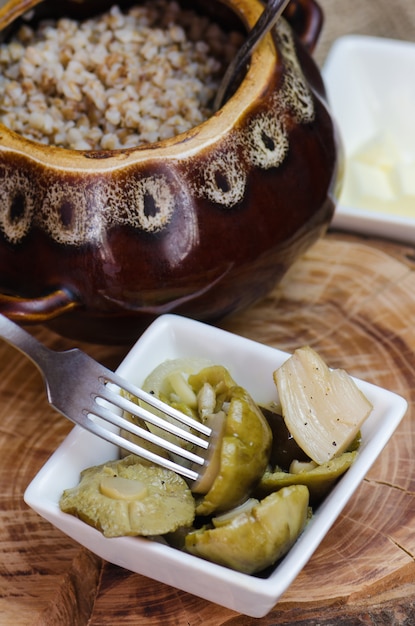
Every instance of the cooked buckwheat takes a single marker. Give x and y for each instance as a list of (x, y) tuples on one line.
[(117, 80)]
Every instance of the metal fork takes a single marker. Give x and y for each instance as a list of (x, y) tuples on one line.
[(83, 390)]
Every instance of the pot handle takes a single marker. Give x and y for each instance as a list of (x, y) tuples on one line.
[(306, 19), (37, 310)]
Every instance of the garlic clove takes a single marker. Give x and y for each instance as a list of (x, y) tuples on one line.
[(323, 409)]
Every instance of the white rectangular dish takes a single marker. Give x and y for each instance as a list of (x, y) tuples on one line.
[(251, 364), (370, 87)]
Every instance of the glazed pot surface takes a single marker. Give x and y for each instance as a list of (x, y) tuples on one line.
[(97, 243)]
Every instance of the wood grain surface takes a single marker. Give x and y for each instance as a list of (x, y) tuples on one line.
[(351, 299)]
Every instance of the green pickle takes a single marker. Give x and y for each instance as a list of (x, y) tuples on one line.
[(289, 465), (319, 480), (126, 497), (246, 443), (254, 540)]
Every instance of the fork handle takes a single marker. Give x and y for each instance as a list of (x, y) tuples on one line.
[(23, 341)]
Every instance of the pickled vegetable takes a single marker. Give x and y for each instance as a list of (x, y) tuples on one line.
[(319, 479), (168, 381), (246, 443), (266, 472), (284, 448), (322, 408), (254, 539), (127, 497), (212, 396)]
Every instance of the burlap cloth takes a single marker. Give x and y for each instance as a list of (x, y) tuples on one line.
[(380, 18)]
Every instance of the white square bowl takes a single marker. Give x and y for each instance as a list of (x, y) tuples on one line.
[(251, 364), (371, 91)]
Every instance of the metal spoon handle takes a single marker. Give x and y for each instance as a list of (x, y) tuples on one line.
[(263, 25)]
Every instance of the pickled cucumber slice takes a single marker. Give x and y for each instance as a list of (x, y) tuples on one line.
[(127, 497), (318, 479), (257, 538), (246, 442)]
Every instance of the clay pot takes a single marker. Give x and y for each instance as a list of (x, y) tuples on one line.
[(96, 244)]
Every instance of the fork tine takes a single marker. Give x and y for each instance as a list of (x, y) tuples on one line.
[(125, 404), (111, 379), (119, 441), (117, 420)]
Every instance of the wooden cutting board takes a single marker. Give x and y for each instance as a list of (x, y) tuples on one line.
[(353, 300)]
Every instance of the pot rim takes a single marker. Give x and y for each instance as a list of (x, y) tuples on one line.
[(183, 145)]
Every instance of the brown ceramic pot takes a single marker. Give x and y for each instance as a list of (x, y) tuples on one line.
[(96, 244)]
